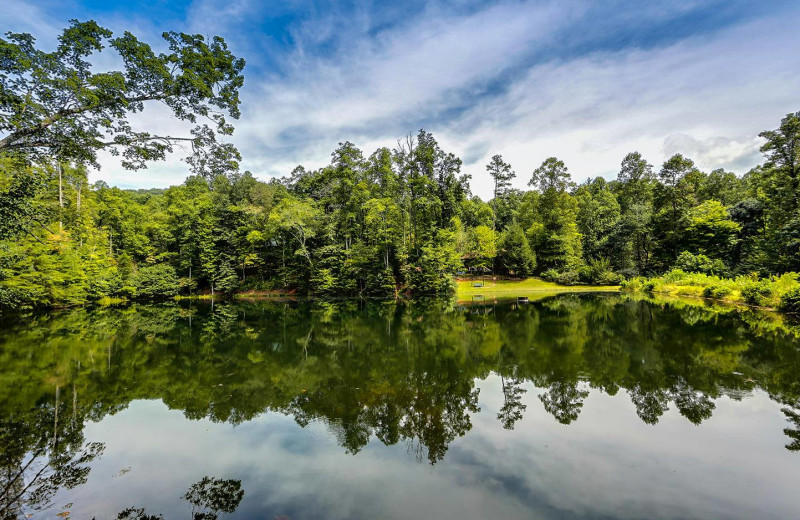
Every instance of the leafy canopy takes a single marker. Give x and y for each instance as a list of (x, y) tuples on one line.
[(56, 104), (551, 175)]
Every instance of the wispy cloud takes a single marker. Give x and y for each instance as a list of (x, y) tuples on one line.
[(585, 81), (712, 96), (490, 81)]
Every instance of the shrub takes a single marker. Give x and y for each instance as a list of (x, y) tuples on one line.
[(568, 278), (323, 282), (637, 284), (790, 301), (674, 276), (756, 292), (784, 282), (551, 275), (380, 282), (225, 279), (782, 290), (594, 270), (599, 272), (631, 284), (690, 263), (716, 291), (610, 278), (20, 298)]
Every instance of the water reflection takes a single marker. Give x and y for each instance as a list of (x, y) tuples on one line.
[(39, 455), (398, 374), (209, 498)]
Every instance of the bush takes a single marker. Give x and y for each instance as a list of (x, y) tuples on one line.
[(756, 292), (225, 279), (638, 284), (790, 301), (568, 278), (599, 272), (594, 270), (716, 291), (21, 298), (782, 291), (610, 278), (690, 263), (551, 275), (564, 278), (675, 276)]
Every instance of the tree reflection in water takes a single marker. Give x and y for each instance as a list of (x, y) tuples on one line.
[(400, 373), (209, 497), (38, 456)]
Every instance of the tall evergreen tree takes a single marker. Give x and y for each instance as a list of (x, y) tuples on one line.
[(501, 174)]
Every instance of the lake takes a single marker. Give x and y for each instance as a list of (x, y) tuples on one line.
[(580, 406)]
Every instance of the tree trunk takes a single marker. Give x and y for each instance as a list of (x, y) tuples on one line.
[(60, 199), (55, 418)]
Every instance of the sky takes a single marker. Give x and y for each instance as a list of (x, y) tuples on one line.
[(584, 81)]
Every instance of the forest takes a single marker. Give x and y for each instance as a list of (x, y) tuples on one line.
[(396, 221)]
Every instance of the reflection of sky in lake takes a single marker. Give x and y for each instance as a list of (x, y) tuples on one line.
[(606, 464)]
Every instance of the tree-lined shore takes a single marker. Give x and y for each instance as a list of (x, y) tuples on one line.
[(399, 220)]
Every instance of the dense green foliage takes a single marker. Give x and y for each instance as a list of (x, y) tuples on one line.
[(396, 221), (777, 291), (53, 105)]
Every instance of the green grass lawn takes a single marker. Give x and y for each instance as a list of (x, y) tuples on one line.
[(533, 288)]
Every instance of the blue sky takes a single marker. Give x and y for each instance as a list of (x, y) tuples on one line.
[(584, 81)]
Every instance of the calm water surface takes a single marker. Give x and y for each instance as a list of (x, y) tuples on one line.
[(578, 406)]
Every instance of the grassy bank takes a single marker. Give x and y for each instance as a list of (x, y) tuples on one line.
[(533, 288), (776, 292)]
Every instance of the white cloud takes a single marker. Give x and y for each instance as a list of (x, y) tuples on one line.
[(383, 87), (714, 152), (718, 91), (707, 96), (591, 111), (20, 16)]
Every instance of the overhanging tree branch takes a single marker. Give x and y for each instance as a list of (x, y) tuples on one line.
[(70, 111)]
